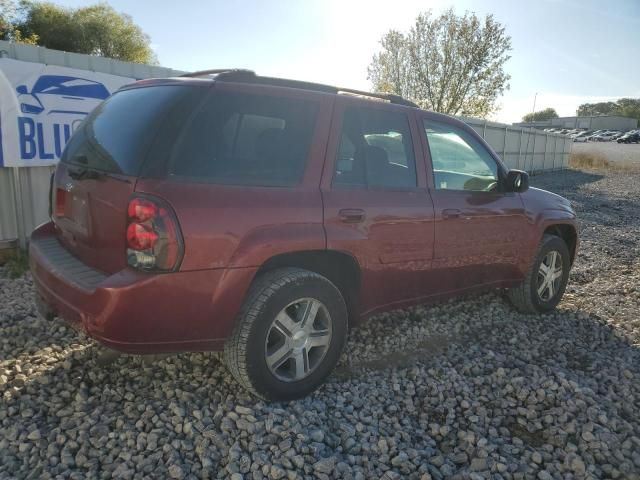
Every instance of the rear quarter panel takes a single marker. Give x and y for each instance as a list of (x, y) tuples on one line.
[(228, 226)]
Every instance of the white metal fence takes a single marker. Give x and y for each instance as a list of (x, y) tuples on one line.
[(29, 53), (24, 191), (524, 148)]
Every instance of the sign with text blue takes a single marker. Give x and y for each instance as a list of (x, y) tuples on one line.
[(41, 105)]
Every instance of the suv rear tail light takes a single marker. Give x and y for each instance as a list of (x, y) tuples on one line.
[(154, 241), (60, 202)]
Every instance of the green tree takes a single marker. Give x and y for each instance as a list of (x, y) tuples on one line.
[(450, 63), (94, 30), (7, 16), (546, 114), (600, 108), (626, 107), (629, 107), (9, 12)]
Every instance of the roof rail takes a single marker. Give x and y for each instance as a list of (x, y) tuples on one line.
[(249, 76), (217, 71), (389, 97)]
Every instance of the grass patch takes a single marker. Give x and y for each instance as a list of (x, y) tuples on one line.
[(598, 161), (16, 263), (589, 160)]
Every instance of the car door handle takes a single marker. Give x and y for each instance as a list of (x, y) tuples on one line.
[(449, 213), (351, 215)]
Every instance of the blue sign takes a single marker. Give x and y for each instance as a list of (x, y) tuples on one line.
[(61, 94)]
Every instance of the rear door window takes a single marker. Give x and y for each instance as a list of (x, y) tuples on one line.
[(375, 150), (243, 139)]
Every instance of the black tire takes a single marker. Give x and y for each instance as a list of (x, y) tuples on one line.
[(525, 297), (245, 349)]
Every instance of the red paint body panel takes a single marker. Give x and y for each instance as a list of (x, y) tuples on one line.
[(226, 226), (95, 214), (409, 250), (140, 312), (394, 243)]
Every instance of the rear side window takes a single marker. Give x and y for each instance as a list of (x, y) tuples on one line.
[(115, 137), (243, 139), (375, 150)]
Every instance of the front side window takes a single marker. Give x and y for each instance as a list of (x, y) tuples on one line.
[(459, 161), (242, 139), (375, 150)]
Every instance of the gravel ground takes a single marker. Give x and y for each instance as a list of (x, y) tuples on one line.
[(466, 389)]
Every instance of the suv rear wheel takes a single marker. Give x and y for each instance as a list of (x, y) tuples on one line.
[(544, 285), (289, 335)]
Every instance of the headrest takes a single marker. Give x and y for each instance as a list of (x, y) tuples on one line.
[(270, 143)]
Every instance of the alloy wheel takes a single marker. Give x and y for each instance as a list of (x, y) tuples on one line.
[(549, 276), (298, 339)]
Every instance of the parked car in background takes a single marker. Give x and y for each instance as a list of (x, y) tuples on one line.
[(576, 133), (264, 217), (596, 132), (629, 137), (582, 136), (607, 136)]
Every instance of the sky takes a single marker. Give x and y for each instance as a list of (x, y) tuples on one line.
[(567, 52)]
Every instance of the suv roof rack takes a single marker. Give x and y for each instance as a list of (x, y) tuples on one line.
[(389, 97), (217, 71), (249, 76)]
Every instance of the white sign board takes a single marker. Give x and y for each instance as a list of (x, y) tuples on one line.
[(41, 105)]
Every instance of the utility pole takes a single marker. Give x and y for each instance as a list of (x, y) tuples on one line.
[(529, 135)]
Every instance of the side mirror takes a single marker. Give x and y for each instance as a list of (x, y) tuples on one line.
[(517, 181), (21, 89)]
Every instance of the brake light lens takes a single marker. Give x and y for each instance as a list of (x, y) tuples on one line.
[(154, 239), (60, 202), (141, 209), (141, 237)]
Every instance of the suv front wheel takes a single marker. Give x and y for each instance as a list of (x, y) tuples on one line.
[(289, 335), (544, 285)]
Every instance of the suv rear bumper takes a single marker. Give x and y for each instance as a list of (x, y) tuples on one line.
[(133, 311)]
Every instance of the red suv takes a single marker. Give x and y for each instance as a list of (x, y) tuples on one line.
[(263, 217)]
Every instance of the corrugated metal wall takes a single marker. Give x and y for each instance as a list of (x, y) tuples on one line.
[(524, 148), (24, 201), (28, 188), (8, 213), (28, 53)]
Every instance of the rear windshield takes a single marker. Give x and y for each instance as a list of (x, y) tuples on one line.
[(243, 139), (115, 137)]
